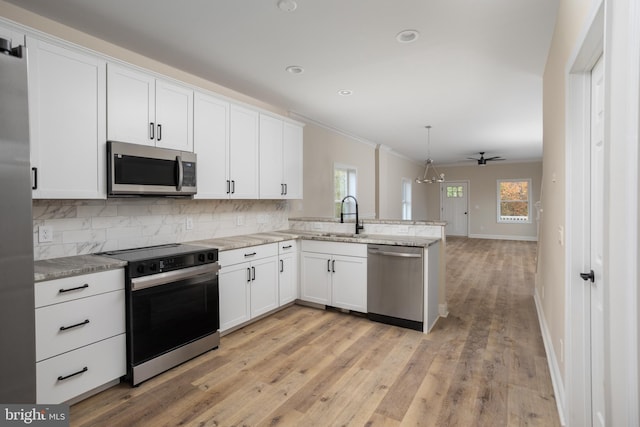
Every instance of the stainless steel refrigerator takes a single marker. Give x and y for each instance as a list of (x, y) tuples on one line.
[(17, 312)]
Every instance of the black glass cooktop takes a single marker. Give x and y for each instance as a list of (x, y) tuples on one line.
[(153, 252)]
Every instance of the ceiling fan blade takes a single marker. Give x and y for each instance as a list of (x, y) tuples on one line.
[(472, 158), (495, 158)]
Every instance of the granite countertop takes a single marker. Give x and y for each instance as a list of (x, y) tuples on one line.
[(56, 268), (237, 242)]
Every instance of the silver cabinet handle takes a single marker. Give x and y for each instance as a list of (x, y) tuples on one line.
[(152, 128), (248, 275), (159, 132)]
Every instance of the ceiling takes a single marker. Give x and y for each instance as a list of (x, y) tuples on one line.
[(474, 73)]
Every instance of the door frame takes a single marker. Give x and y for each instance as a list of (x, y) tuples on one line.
[(442, 199), (620, 22), (576, 398)]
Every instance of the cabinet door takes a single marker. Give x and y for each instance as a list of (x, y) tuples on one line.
[(292, 160), (174, 116), (264, 286), (67, 122), (234, 282), (271, 183), (315, 278), (243, 153), (349, 284), (211, 143), (130, 106), (288, 281)]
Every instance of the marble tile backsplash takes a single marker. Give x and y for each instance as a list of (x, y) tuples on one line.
[(89, 226)]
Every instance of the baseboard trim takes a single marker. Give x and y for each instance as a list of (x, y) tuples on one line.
[(554, 368), (443, 310), (503, 237)]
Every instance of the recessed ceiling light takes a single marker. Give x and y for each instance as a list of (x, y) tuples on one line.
[(345, 92), (294, 69), (407, 36), (287, 5)]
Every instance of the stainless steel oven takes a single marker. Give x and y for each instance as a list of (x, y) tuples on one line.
[(172, 306)]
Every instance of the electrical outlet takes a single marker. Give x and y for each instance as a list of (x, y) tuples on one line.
[(188, 223), (45, 234), (240, 220)]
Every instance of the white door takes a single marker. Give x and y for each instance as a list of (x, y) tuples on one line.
[(595, 281), (292, 160), (235, 300), (271, 184), (211, 143), (67, 122), (243, 155), (315, 277), (264, 286), (349, 283), (455, 209), (174, 116), (131, 98)]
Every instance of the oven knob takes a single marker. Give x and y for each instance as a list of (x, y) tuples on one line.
[(153, 266), (201, 257), (140, 268), (210, 256)]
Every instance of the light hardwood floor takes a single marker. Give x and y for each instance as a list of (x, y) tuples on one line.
[(483, 365)]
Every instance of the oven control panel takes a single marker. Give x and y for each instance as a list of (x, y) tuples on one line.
[(169, 263)]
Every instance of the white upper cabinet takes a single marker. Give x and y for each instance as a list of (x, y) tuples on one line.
[(144, 110), (271, 183), (174, 116), (243, 153), (280, 159), (292, 170), (211, 144), (67, 122)]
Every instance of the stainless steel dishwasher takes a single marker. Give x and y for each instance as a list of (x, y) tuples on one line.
[(395, 285)]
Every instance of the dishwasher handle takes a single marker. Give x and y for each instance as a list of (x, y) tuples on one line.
[(394, 254)]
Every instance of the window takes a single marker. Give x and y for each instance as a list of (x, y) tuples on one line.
[(455, 191), (344, 184), (514, 200), (406, 198)]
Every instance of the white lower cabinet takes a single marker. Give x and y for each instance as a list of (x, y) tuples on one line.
[(288, 271), (248, 281), (334, 274), (80, 334)]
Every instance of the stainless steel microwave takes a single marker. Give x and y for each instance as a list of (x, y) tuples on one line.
[(141, 170)]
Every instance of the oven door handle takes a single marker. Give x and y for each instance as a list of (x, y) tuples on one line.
[(172, 276)]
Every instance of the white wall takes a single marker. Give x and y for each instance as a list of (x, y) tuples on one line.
[(392, 168), (483, 197), (322, 149)]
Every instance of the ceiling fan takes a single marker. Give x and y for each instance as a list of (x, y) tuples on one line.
[(482, 161)]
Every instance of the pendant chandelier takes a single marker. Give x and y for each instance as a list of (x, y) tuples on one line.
[(435, 175)]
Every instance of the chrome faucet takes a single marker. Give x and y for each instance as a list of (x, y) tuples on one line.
[(342, 214)]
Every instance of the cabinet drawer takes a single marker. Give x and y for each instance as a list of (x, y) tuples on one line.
[(335, 248), (288, 246), (85, 321), (236, 256), (104, 361), (70, 288)]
